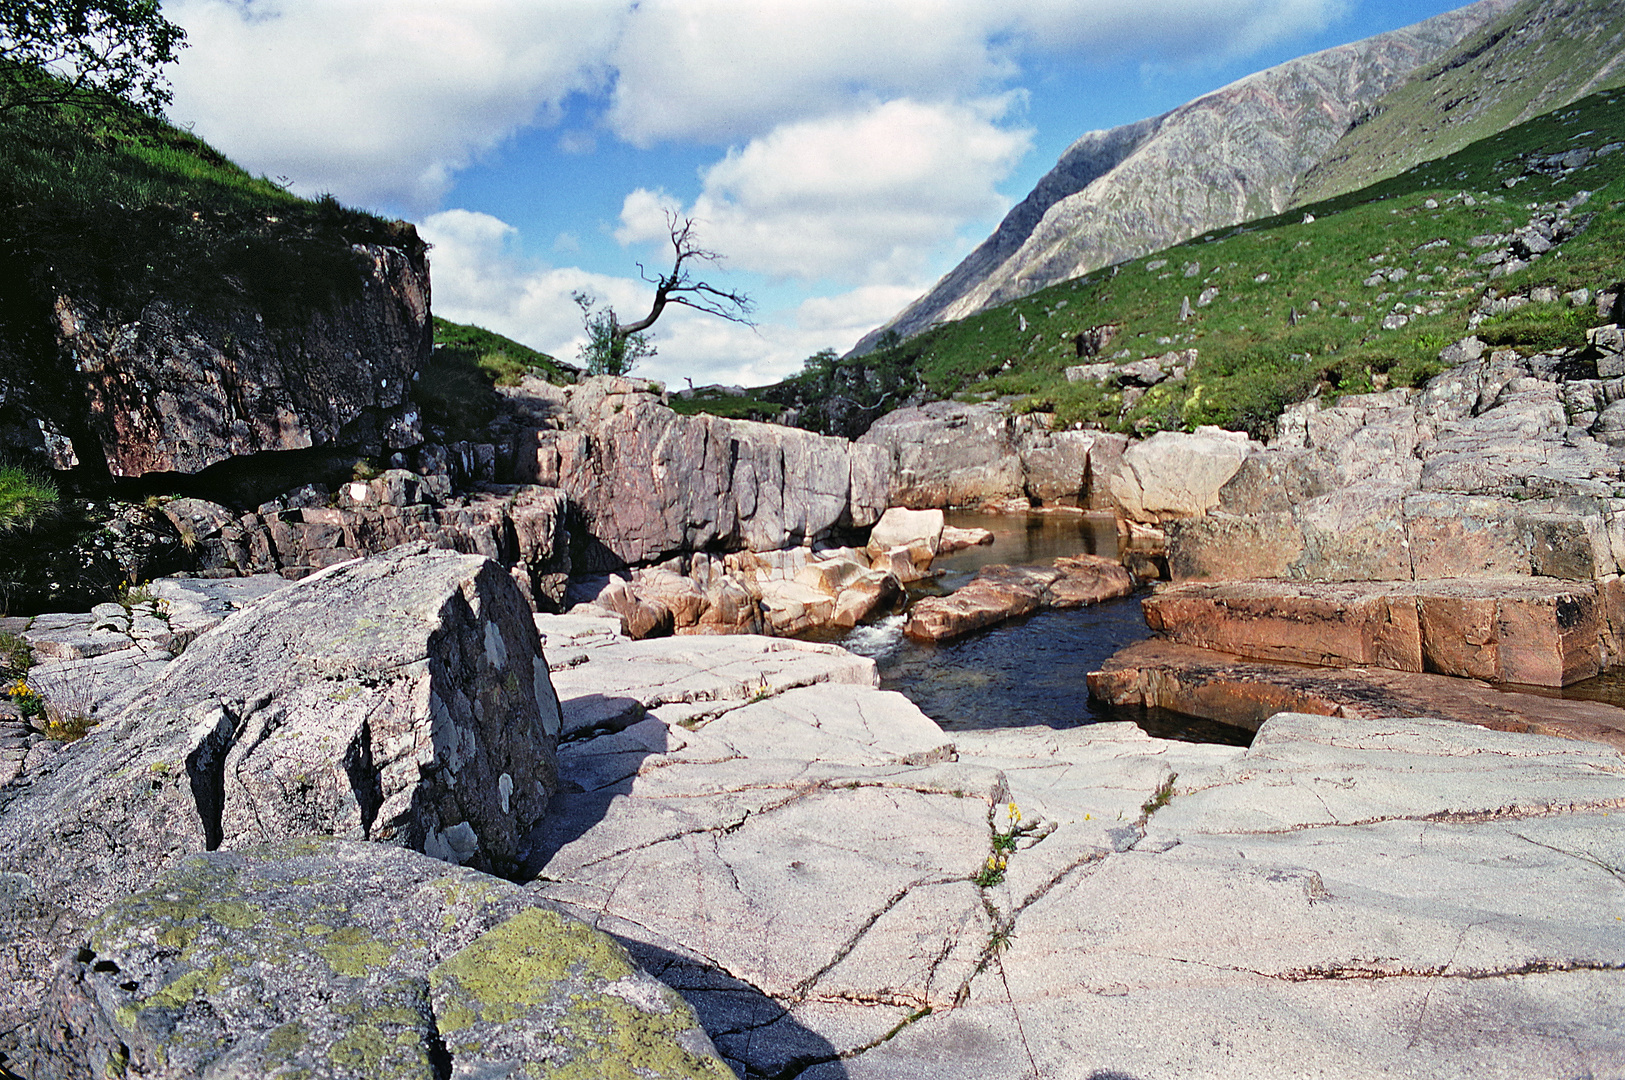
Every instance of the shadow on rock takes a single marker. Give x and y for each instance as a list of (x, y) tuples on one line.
[(757, 1036)]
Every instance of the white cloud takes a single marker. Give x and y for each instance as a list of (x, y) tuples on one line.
[(479, 277), (380, 101), (726, 70), (383, 102), (870, 196)]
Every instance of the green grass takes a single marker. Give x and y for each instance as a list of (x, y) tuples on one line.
[(503, 359), (26, 497), (734, 407), (1254, 357), (126, 209)]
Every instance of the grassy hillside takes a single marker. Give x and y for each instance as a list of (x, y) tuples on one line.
[(124, 208), (1541, 56), (1292, 314)]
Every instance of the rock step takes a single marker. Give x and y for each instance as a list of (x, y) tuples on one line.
[(998, 593), (1536, 631), (1216, 686)]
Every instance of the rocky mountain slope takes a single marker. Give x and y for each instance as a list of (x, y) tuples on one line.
[(1540, 56), (1228, 157)]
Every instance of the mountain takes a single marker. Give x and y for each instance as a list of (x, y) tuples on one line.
[(1540, 56), (1231, 156)]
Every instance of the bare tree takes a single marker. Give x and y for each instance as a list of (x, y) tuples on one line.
[(613, 346)]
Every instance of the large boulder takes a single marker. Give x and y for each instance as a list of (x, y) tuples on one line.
[(401, 699), (342, 959), (1174, 475), (648, 484), (949, 453)]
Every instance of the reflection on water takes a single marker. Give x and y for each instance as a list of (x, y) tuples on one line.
[(1028, 671)]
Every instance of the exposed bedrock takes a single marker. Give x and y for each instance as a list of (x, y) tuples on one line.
[(350, 960), (177, 389), (1520, 630), (1474, 528), (999, 593), (402, 699), (647, 484), (949, 453), (810, 866)]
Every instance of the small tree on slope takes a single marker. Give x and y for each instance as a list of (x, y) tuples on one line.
[(613, 347), (85, 52)]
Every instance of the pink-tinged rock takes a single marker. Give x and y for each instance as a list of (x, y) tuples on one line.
[(957, 539), (901, 527), (1457, 536), (872, 591), (1087, 579), (165, 393), (1326, 625), (1229, 547), (977, 605), (1217, 686), (1538, 631)]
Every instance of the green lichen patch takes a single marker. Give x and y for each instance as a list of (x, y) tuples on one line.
[(545, 969), (519, 964), (352, 951)]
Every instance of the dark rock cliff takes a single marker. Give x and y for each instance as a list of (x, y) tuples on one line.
[(176, 387)]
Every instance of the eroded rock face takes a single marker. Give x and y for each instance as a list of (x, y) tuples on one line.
[(1535, 631), (344, 959), (401, 699), (647, 484), (948, 453), (177, 390)]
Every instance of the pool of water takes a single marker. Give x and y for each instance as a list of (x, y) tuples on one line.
[(1030, 671)]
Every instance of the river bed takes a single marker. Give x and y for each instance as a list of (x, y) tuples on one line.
[(1030, 671)]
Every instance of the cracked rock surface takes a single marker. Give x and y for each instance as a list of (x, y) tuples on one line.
[(841, 890)]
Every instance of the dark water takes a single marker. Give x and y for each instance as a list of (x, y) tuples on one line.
[(1027, 671)]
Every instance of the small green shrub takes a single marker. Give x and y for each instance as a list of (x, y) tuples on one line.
[(25, 498)]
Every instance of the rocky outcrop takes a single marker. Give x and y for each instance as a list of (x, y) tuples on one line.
[(1000, 593), (647, 484), (177, 389), (1537, 631), (952, 454), (401, 699), (1498, 467), (357, 961), (524, 527), (1227, 157)]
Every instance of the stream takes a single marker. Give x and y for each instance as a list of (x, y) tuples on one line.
[(1029, 671)]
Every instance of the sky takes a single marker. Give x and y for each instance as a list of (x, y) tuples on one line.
[(840, 155)]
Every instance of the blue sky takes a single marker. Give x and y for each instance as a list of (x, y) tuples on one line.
[(842, 154)]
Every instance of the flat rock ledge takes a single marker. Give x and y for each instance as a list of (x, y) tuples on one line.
[(1219, 686), (1536, 631), (842, 890)]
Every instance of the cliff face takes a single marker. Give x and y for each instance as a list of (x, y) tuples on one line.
[(177, 388), (1540, 56), (1225, 158)]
